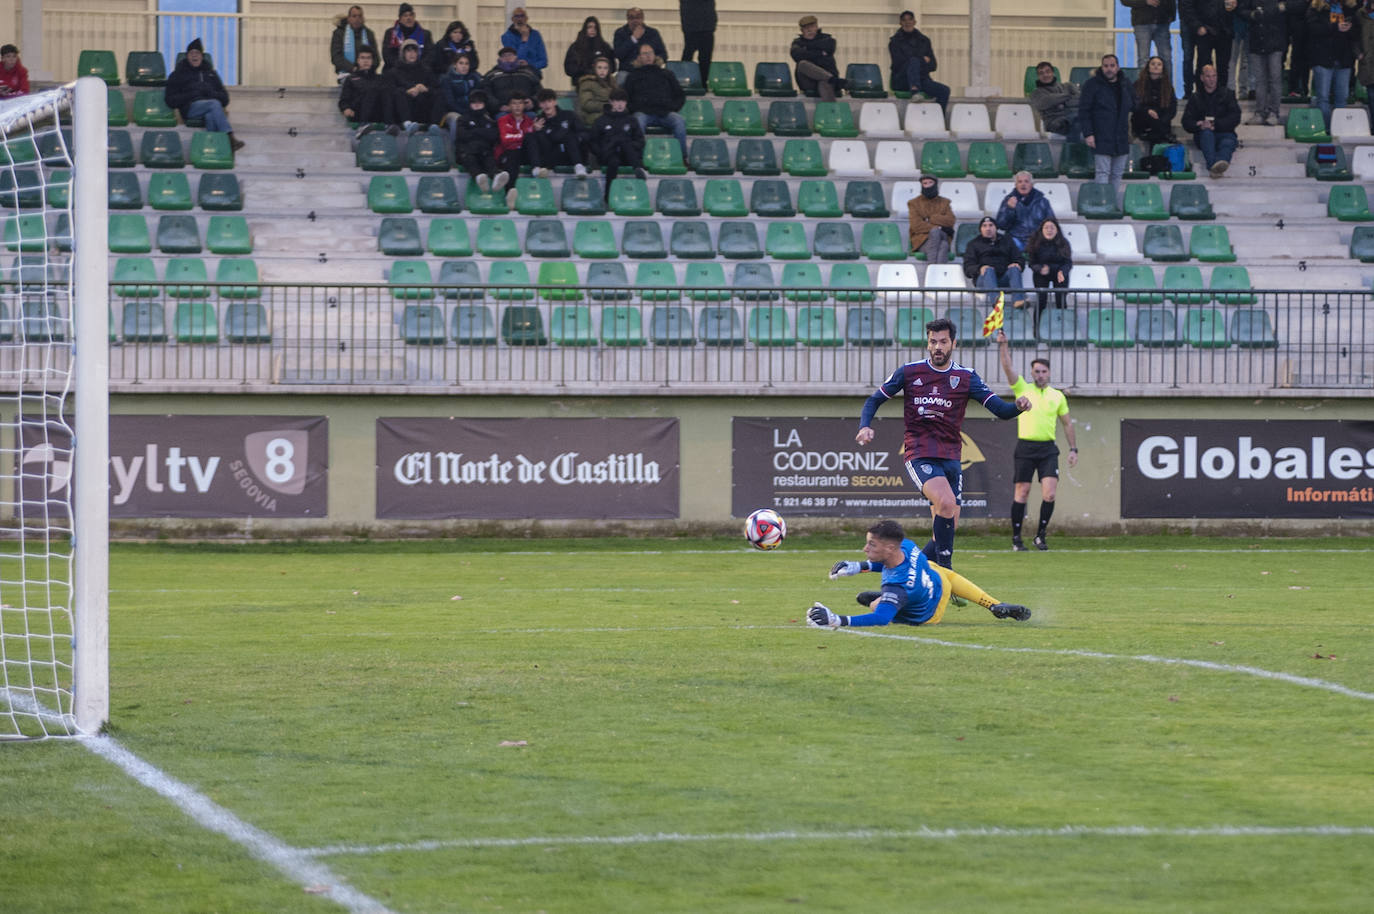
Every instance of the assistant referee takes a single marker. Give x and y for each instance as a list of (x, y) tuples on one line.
[(1036, 451)]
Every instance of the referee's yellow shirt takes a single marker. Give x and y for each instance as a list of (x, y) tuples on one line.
[(1037, 423)]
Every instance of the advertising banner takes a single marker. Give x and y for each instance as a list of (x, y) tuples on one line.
[(1246, 468), (517, 468), (805, 466)]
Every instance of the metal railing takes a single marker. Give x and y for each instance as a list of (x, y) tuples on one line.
[(483, 339)]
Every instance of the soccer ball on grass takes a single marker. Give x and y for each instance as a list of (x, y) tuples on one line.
[(765, 529)]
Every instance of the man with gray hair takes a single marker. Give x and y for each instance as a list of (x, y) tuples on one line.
[(1023, 210)]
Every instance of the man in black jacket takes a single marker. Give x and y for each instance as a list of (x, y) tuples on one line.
[(618, 138), (814, 51), (1104, 116), (195, 89), (413, 85), (1210, 23), (476, 138), (634, 34), (913, 60), (366, 97), (993, 262), (698, 33), (557, 136), (656, 96), (1212, 116)]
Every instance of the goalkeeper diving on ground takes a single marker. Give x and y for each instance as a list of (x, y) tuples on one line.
[(914, 591)]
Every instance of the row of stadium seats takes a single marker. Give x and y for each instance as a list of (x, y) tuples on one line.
[(194, 321), (175, 234), (164, 149), (23, 188), (186, 277), (141, 68)]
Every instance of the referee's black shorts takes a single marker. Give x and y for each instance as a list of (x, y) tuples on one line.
[(1035, 457)]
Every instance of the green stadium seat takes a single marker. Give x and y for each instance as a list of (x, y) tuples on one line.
[(1019, 327), (643, 240), (510, 280), (630, 197), (727, 78), (1164, 243), (1251, 329), (865, 200), (773, 80), (162, 149), (1036, 158), (1144, 202), (1109, 328), (1190, 201), (756, 157), (1362, 243), (819, 200), (835, 241), (473, 325), (803, 159), (720, 326), (422, 325), (128, 234), (1135, 284), (691, 240), (658, 282), (133, 277), (458, 278), (865, 80), (236, 278), (1157, 328), (968, 325), (485, 203), (802, 282), (705, 281), (429, 151), (211, 151), (41, 320), (195, 322), (149, 110), (1306, 125), (723, 198), (941, 159), (788, 118), (498, 238), (411, 279), (536, 198), (741, 117), (1211, 244), (622, 325), (911, 326), (700, 115), (219, 192), (1076, 161), (884, 241), (230, 235), (378, 152), (145, 68), (117, 111), (437, 194), (754, 282), (834, 119), (54, 147), (663, 156), (119, 150), (580, 198), (688, 76), (101, 64), (143, 322), (851, 282), (607, 282), (448, 237), (1098, 201), (818, 326), (59, 189), (1059, 327), (987, 159), (61, 236), (671, 325), (1205, 328), (768, 326), (388, 194), (739, 241), (19, 150), (787, 241), (546, 238), (677, 197), (866, 326), (771, 199), (190, 278), (1183, 285), (399, 236), (21, 188), (710, 156), (178, 235), (1231, 286), (594, 239), (571, 325), (1327, 162), (1349, 203), (523, 325)]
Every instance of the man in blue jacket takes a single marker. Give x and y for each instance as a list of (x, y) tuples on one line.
[(1023, 210), (528, 43), (1104, 115)]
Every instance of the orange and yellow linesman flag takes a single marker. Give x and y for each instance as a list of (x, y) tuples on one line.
[(994, 320)]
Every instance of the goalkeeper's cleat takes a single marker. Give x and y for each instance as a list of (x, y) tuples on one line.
[(867, 597), (1017, 545), (820, 616), (1010, 611), (957, 601), (1041, 544)]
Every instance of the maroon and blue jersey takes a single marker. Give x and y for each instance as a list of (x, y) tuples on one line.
[(935, 403)]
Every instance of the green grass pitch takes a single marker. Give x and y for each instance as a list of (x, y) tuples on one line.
[(646, 725)]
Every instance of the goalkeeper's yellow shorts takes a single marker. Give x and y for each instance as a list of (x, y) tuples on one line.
[(946, 591)]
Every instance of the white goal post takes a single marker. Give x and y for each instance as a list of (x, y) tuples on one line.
[(54, 368)]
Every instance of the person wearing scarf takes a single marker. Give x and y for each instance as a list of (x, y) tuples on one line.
[(405, 29), (350, 34)]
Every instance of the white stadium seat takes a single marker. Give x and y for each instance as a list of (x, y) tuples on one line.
[(1351, 124), (941, 279), (897, 276), (1085, 276), (849, 158), (963, 198), (969, 121), (1363, 163), (994, 194), (895, 159), (1060, 199), (1116, 241), (1076, 234), (879, 119), (902, 192), (1016, 122), (926, 121)]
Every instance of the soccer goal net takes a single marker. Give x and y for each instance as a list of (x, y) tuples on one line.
[(54, 407)]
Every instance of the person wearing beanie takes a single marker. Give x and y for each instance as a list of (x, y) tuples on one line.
[(351, 34), (475, 139), (508, 79), (931, 222), (993, 263), (913, 60), (195, 90), (405, 29), (414, 88)]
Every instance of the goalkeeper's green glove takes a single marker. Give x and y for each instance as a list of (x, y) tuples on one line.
[(820, 616), (843, 569)]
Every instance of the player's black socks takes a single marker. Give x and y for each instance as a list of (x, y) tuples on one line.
[(1018, 517), (1046, 512), (943, 530)]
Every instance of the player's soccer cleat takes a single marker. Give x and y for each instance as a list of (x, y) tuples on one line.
[(1010, 611), (820, 616), (1017, 545), (867, 597), (1041, 544), (957, 601)]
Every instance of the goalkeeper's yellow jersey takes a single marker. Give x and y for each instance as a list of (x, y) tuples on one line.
[(1037, 423)]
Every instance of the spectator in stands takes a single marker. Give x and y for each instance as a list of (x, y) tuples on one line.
[(1023, 210), (413, 85), (913, 60), (195, 89), (1299, 69), (1333, 42), (456, 41), (14, 77), (528, 43), (814, 51), (1267, 21), (475, 142), (1104, 116), (509, 78), (1150, 20), (1210, 23), (366, 96), (1365, 19), (585, 51), (406, 28), (455, 88), (1239, 77), (1056, 102), (594, 91), (656, 96), (931, 221), (350, 35), (557, 137), (698, 33), (514, 128), (619, 139), (1051, 262), (1212, 116), (632, 36), (993, 262), (1152, 118)]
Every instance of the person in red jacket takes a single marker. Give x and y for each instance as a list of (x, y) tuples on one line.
[(14, 78), (512, 151)]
